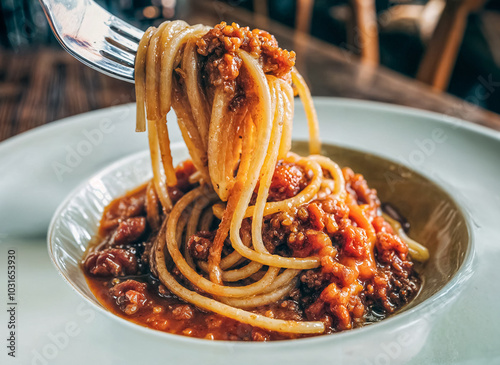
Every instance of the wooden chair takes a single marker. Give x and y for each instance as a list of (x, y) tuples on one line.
[(439, 58), (441, 54), (365, 30), (364, 24), (303, 15), (442, 50)]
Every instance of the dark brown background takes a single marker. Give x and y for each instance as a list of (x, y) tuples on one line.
[(41, 85)]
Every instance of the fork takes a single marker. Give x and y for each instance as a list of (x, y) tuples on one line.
[(94, 36)]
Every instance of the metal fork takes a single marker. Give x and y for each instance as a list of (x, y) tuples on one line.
[(94, 36)]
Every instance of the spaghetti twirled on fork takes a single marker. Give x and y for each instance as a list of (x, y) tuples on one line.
[(236, 127), (231, 89)]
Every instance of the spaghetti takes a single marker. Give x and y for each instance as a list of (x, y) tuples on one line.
[(231, 89)]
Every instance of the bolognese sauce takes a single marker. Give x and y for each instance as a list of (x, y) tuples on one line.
[(350, 289)]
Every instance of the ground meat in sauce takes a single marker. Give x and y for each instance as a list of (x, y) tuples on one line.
[(358, 187), (199, 245), (183, 171), (129, 231), (129, 296), (117, 270), (111, 262), (288, 180), (314, 280), (222, 63), (121, 209)]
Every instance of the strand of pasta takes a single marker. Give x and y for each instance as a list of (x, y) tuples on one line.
[(153, 74), (206, 219), (195, 96), (190, 136), (190, 273), (152, 207), (158, 176), (286, 137), (312, 117), (231, 149), (166, 153), (140, 82), (261, 299), (334, 170), (305, 196), (215, 166), (417, 251), (232, 259)]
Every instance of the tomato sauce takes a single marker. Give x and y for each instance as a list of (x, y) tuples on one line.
[(362, 285)]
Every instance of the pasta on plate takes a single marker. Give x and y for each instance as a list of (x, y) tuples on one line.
[(248, 240)]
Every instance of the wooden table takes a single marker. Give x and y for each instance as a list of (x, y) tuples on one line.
[(46, 84)]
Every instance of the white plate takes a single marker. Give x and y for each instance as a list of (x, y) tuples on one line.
[(57, 328)]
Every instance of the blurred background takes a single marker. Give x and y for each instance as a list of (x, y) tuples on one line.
[(404, 35)]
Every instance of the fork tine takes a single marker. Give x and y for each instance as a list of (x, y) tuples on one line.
[(118, 55), (117, 59), (126, 30), (122, 43)]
